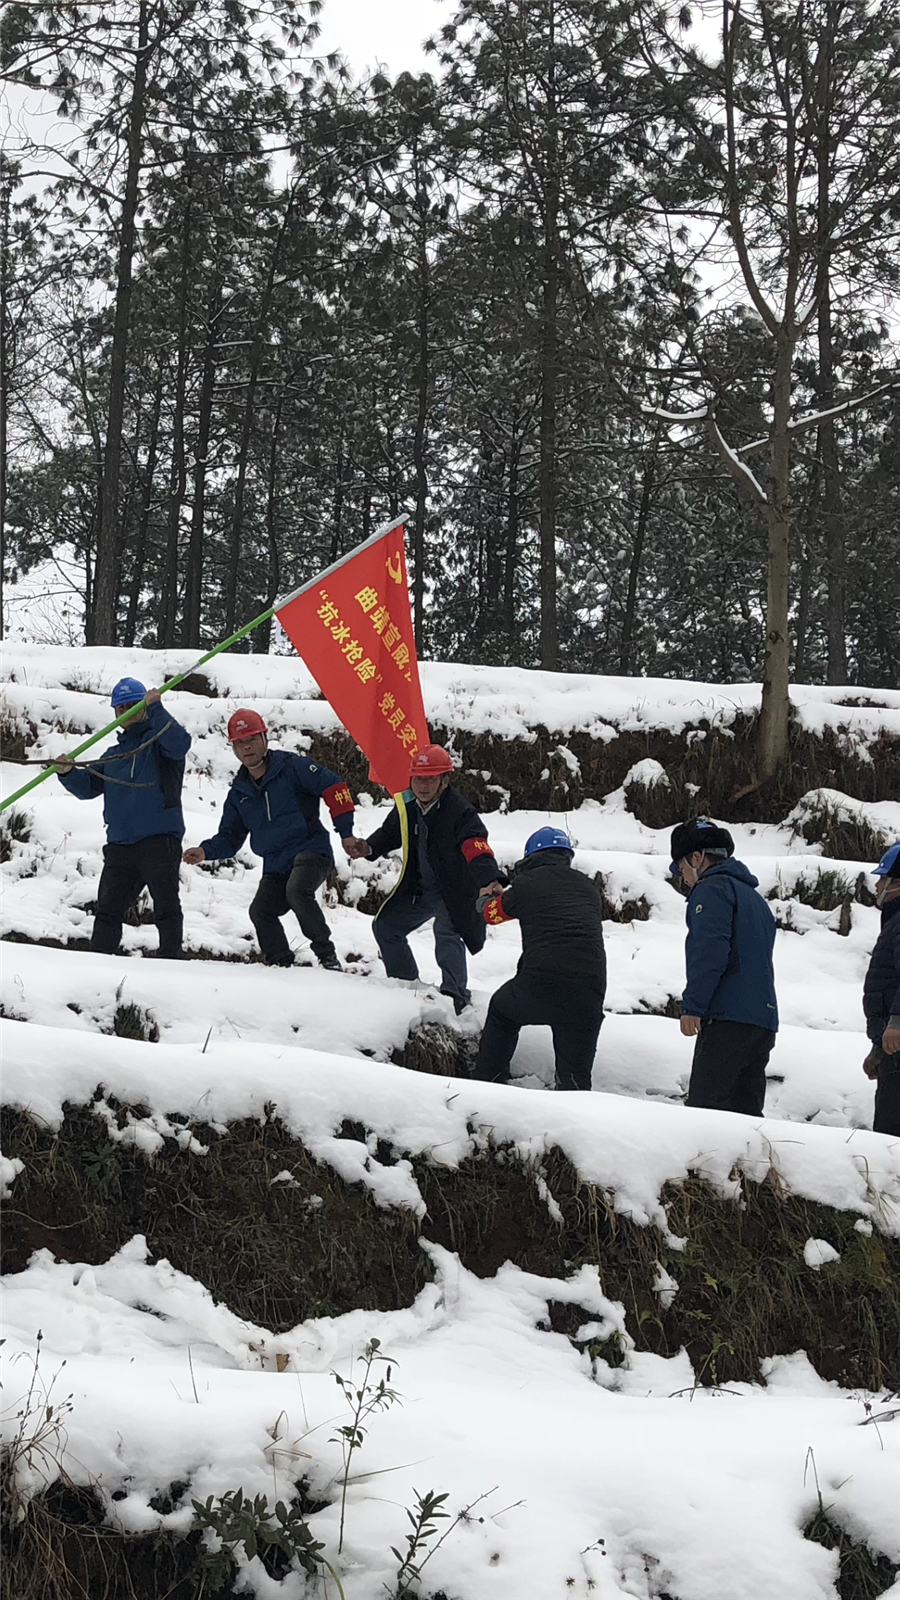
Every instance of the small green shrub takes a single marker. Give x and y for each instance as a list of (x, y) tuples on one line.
[(15, 825), (278, 1536), (621, 910), (824, 891), (131, 1021), (861, 1574), (842, 837)]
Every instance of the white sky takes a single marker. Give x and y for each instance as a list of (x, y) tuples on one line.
[(387, 33), (368, 33)]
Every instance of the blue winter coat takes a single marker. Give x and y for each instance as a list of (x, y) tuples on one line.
[(881, 990), (281, 812), (730, 938), (141, 797)]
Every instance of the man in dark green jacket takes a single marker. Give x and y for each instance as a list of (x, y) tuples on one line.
[(446, 861)]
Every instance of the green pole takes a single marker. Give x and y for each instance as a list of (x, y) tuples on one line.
[(172, 683)]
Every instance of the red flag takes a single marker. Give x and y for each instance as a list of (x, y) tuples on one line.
[(353, 627)]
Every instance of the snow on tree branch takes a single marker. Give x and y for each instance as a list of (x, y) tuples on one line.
[(738, 468), (675, 416), (731, 458), (811, 418)]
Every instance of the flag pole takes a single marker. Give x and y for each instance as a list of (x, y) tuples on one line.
[(179, 677), (172, 683)]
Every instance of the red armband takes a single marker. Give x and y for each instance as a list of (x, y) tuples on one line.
[(338, 799), (473, 848), (493, 911)]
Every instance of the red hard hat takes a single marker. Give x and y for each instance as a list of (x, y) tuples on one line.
[(430, 762), (243, 725)]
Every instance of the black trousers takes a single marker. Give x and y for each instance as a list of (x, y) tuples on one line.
[(281, 892), (728, 1072), (574, 1012), (887, 1097), (152, 864)]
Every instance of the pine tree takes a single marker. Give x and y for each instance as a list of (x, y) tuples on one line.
[(793, 170)]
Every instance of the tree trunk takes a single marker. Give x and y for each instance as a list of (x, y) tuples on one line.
[(775, 710), (337, 513), (190, 631), (549, 635), (421, 433), (5, 205), (261, 639), (139, 556), (801, 664), (637, 554), (178, 473), (243, 458), (511, 554), (81, 383), (106, 582), (835, 551), (388, 450)]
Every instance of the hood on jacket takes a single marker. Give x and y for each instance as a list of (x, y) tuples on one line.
[(543, 858), (732, 868), (889, 909)]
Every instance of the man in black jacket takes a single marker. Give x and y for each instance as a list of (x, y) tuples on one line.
[(881, 998), (561, 977), (446, 860)]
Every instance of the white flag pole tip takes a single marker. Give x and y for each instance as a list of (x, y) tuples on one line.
[(380, 533)]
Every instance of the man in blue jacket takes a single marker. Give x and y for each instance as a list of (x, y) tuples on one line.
[(140, 778), (728, 1004), (275, 798), (881, 998)]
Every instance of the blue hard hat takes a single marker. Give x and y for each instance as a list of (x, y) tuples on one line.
[(889, 865), (127, 692), (548, 839)]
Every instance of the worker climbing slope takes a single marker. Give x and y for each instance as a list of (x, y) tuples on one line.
[(447, 860)]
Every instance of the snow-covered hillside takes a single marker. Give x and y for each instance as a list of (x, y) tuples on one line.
[(639, 1476)]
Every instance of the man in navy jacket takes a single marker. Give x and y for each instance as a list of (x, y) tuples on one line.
[(140, 778), (275, 798), (729, 1003), (881, 998)]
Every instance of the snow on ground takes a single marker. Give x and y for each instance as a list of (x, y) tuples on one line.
[(631, 1485), (813, 1075), (629, 1149), (626, 1481)]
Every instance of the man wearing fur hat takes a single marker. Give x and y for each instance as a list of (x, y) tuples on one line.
[(881, 998), (729, 1004)]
